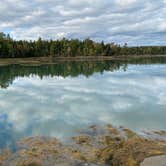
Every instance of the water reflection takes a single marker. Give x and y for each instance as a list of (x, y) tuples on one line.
[(6, 133), (71, 96), (64, 69)]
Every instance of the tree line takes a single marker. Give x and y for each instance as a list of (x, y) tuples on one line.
[(10, 48)]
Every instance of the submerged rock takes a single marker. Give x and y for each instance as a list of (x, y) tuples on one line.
[(94, 147)]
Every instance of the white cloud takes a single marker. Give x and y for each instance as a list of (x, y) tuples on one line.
[(126, 3), (132, 21)]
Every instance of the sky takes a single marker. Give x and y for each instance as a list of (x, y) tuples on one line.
[(136, 22)]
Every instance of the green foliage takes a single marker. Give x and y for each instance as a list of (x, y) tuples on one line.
[(10, 48)]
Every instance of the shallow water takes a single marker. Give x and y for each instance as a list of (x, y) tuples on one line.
[(61, 99)]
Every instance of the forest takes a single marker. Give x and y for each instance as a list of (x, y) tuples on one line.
[(10, 48)]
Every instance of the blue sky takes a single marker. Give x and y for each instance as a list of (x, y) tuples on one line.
[(137, 22)]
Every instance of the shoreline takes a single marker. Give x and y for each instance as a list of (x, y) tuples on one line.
[(52, 60)]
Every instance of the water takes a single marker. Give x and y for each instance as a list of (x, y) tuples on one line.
[(61, 99)]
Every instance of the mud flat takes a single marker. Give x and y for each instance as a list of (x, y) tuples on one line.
[(96, 146)]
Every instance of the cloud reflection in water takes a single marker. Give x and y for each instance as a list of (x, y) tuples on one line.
[(59, 107)]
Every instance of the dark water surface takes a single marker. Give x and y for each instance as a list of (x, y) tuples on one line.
[(59, 100)]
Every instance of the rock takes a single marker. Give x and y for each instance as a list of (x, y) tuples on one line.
[(109, 147), (155, 161)]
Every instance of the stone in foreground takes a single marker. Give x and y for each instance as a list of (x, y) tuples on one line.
[(155, 161)]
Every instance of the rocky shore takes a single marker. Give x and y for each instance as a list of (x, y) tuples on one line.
[(97, 146)]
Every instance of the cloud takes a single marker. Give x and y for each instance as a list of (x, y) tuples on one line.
[(133, 21)]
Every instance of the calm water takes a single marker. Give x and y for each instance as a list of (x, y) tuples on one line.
[(61, 99)]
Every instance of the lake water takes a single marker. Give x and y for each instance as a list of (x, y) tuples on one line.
[(59, 100)]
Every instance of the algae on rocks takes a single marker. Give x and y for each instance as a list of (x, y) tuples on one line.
[(95, 147)]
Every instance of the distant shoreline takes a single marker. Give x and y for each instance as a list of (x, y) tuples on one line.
[(53, 60)]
